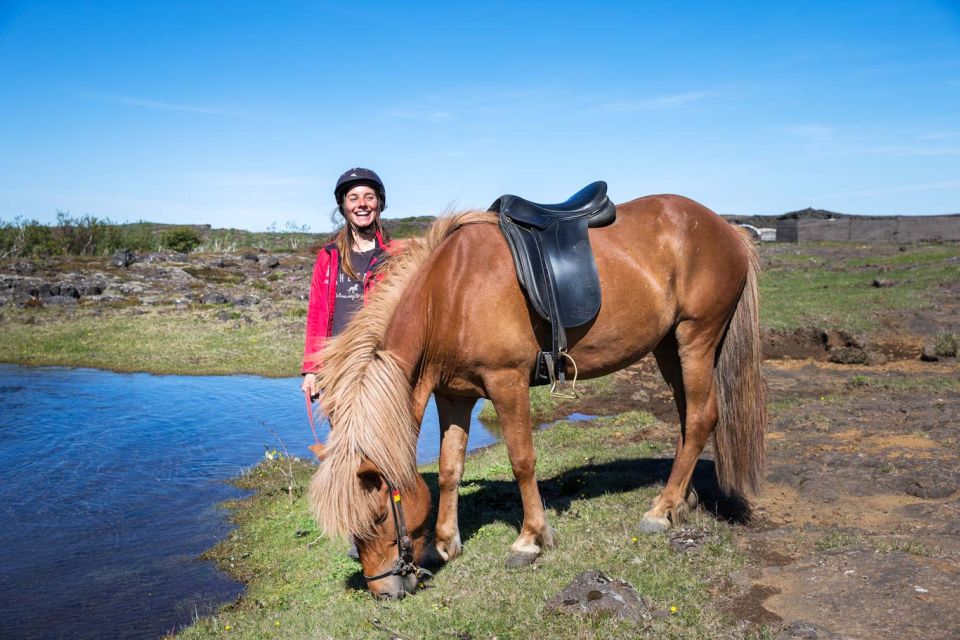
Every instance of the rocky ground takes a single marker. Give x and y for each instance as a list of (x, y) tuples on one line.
[(856, 531), (258, 284)]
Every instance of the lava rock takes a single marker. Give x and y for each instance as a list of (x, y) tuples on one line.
[(930, 489), (246, 301), (24, 268), (686, 539), (800, 630), (214, 297), (593, 594), (882, 283), (929, 353), (123, 258), (252, 257), (272, 262), (91, 289)]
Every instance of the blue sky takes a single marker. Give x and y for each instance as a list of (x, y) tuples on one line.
[(242, 114)]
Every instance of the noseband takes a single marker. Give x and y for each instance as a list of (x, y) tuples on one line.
[(404, 565)]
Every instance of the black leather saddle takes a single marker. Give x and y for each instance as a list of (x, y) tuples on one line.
[(554, 262)]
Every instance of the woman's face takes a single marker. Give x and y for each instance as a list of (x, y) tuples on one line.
[(361, 206)]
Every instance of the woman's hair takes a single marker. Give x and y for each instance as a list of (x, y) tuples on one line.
[(344, 237)]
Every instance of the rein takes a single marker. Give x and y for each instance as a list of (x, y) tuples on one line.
[(404, 564), (306, 395)]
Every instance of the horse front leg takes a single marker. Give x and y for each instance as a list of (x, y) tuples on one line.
[(510, 394), (454, 416)]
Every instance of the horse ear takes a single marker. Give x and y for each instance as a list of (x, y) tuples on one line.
[(369, 474), (319, 450)]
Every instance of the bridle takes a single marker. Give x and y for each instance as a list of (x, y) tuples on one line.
[(404, 564)]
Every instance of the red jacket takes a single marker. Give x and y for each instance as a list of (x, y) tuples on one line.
[(323, 295)]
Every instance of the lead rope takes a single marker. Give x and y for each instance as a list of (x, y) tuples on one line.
[(306, 396)]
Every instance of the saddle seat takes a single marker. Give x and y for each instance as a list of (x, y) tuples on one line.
[(590, 202), (550, 245)]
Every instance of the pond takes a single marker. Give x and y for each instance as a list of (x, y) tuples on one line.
[(109, 491)]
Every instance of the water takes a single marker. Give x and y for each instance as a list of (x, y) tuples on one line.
[(109, 486)]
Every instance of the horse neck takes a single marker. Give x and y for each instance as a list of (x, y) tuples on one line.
[(407, 339)]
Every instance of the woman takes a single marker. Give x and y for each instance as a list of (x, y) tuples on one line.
[(343, 274)]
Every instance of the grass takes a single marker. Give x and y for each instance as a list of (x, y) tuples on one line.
[(595, 494), (802, 289), (544, 406), (171, 341), (836, 540)]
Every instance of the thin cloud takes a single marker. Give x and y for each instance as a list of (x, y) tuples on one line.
[(412, 113), (156, 105), (464, 104), (675, 101), (810, 131)]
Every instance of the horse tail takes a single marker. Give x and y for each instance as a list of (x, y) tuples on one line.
[(741, 392)]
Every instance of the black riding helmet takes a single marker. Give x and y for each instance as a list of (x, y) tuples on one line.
[(359, 175)]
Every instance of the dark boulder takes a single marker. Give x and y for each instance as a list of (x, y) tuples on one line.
[(246, 301), (123, 258), (24, 268), (214, 297), (929, 353)]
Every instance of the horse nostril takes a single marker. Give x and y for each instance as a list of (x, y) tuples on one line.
[(390, 595)]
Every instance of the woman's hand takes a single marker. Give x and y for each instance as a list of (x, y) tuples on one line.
[(310, 385)]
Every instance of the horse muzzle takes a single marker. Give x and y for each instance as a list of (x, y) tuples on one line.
[(394, 587)]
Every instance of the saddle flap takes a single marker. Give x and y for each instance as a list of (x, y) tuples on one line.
[(556, 268)]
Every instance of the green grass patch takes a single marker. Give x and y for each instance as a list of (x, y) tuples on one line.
[(168, 342), (213, 274), (544, 406), (801, 289), (596, 488)]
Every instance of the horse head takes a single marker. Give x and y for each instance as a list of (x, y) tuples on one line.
[(391, 555), (392, 548)]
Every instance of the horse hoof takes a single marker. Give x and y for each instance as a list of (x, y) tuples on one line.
[(521, 559), (654, 524), (693, 499)]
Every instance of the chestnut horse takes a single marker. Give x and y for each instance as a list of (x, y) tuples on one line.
[(450, 319)]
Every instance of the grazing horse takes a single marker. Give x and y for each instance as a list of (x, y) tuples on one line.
[(451, 319)]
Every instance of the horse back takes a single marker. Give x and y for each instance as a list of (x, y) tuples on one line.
[(665, 258)]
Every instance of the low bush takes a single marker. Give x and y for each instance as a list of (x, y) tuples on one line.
[(181, 239)]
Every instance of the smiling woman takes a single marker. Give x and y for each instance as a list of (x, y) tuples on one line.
[(344, 271)]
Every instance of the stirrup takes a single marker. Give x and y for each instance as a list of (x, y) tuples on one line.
[(558, 387)]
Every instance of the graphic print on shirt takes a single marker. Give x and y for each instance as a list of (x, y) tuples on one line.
[(349, 291)]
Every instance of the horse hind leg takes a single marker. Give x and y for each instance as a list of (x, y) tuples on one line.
[(686, 360), (454, 414)]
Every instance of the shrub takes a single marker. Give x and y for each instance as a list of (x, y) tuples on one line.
[(946, 345), (181, 239)]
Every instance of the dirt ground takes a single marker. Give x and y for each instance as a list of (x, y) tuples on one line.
[(856, 531)]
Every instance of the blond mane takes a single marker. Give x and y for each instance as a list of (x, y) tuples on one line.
[(368, 399)]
